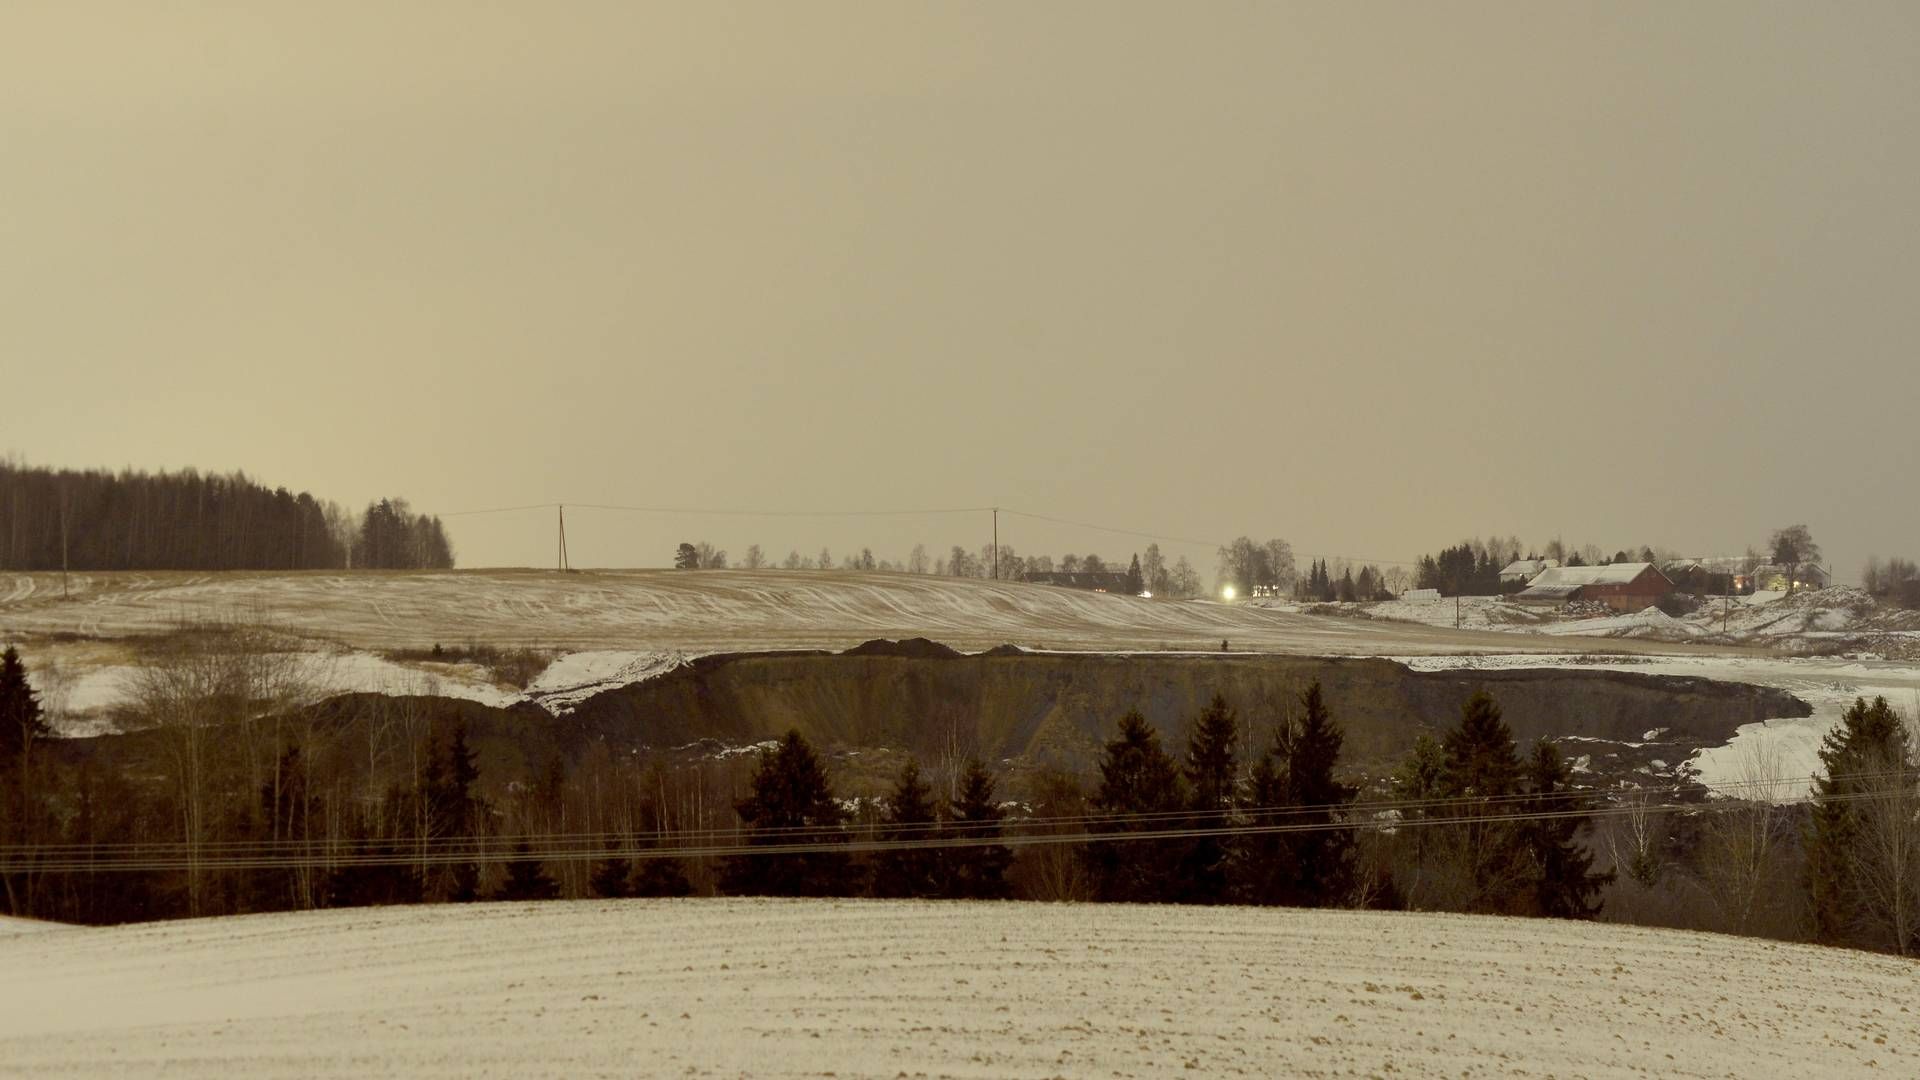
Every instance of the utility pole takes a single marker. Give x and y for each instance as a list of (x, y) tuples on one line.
[(563, 538), (996, 543), (65, 512)]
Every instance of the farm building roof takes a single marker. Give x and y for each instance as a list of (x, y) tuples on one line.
[(1545, 592), (1528, 567), (1576, 576)]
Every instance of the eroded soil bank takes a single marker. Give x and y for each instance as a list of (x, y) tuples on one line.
[(1033, 709)]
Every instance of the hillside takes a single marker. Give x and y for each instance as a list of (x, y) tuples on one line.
[(700, 611), (1025, 710), (1820, 622), (874, 989)]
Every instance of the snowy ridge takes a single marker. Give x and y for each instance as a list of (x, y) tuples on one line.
[(1651, 623), (575, 677), (81, 703), (1809, 620)]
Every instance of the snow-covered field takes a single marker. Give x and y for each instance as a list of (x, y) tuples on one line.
[(695, 612), (883, 989), (608, 628), (1822, 620)]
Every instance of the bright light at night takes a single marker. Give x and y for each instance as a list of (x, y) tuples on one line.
[(1146, 596), (1226, 593)]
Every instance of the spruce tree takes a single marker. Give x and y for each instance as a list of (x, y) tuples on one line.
[(20, 717), (612, 875), (369, 878), (1566, 886), (1312, 867), (976, 872), (1211, 776), (660, 875), (1478, 755), (1487, 853), (1137, 777), (1135, 583), (790, 803), (908, 819), (1867, 764), (455, 812), (20, 726), (527, 877)]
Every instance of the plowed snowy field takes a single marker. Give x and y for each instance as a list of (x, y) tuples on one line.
[(702, 611), (871, 989)]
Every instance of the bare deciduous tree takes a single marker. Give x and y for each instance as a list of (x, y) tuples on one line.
[(1793, 547), (217, 695), (1740, 866), (1884, 856), (1053, 871)]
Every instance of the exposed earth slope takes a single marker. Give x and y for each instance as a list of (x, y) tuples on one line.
[(1047, 708)]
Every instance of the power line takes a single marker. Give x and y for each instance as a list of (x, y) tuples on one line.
[(692, 511), (431, 853), (698, 511), (1116, 531), (500, 510), (1766, 784), (575, 847)]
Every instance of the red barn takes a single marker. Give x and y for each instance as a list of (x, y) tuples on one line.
[(1622, 586)]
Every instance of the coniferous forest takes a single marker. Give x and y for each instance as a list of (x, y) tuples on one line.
[(96, 520)]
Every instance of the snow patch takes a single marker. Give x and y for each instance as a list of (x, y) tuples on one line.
[(1785, 754), (578, 676), (1647, 623)]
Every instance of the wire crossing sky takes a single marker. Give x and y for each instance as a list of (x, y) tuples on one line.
[(1372, 278)]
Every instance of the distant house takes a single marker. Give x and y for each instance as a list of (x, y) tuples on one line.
[(1421, 596), (1114, 581), (1776, 578), (1705, 577), (1621, 586), (1522, 571)]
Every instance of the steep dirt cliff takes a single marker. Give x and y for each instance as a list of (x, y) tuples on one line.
[(1058, 708)]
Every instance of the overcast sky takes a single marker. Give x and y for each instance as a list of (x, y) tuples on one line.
[(1371, 277)]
